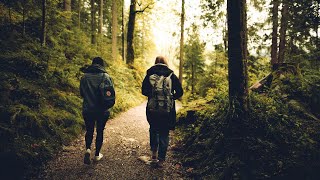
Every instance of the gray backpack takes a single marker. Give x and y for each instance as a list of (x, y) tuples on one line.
[(161, 101)]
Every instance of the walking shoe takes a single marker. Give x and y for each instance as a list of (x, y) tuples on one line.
[(154, 156), (86, 159), (98, 158), (154, 160)]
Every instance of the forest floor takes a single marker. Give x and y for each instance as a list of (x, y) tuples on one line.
[(126, 138)]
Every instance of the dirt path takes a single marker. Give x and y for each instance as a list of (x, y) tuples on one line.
[(126, 138)]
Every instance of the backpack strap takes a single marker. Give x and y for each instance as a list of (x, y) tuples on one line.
[(106, 75)]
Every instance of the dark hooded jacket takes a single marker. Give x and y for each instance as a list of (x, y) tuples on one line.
[(89, 87), (162, 69)]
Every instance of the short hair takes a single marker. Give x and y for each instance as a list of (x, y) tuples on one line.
[(98, 60), (161, 59)]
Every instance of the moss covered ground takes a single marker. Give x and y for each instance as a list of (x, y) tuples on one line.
[(279, 140), (40, 108)]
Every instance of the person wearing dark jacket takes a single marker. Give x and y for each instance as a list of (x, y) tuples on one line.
[(92, 111), (159, 128)]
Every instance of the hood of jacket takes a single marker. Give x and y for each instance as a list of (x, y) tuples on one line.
[(159, 69), (95, 68)]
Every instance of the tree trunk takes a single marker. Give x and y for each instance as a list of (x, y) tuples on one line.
[(291, 49), (93, 22), (283, 30), (274, 45), (67, 5), (131, 24), (225, 37), (238, 81), (101, 16), (237, 54), (181, 41), (114, 29), (79, 13), (43, 27), (122, 31), (143, 37)]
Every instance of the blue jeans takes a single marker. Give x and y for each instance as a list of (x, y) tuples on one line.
[(159, 141)]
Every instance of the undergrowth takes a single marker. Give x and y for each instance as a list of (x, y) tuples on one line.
[(279, 140), (41, 106)]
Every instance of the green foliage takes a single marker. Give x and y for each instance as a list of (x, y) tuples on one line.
[(194, 61), (40, 108), (278, 140), (212, 11), (214, 81), (258, 68), (143, 36)]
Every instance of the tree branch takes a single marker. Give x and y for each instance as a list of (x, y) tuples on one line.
[(142, 10)]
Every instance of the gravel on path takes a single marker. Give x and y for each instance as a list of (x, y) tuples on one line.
[(126, 138)]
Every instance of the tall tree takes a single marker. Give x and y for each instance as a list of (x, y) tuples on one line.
[(274, 45), (100, 17), (67, 5), (122, 30), (131, 26), (238, 77), (93, 22), (181, 40), (237, 54), (43, 27), (283, 30), (114, 29)]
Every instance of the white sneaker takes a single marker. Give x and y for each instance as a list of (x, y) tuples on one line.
[(86, 159), (98, 158)]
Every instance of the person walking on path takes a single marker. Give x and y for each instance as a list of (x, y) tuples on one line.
[(92, 110), (162, 87)]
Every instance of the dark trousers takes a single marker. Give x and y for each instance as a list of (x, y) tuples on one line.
[(159, 141), (90, 120)]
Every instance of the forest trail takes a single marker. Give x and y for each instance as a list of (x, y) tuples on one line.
[(126, 138)]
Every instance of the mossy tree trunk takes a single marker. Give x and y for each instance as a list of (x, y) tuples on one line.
[(238, 82), (237, 54)]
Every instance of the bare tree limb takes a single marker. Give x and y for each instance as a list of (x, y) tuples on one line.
[(142, 10)]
